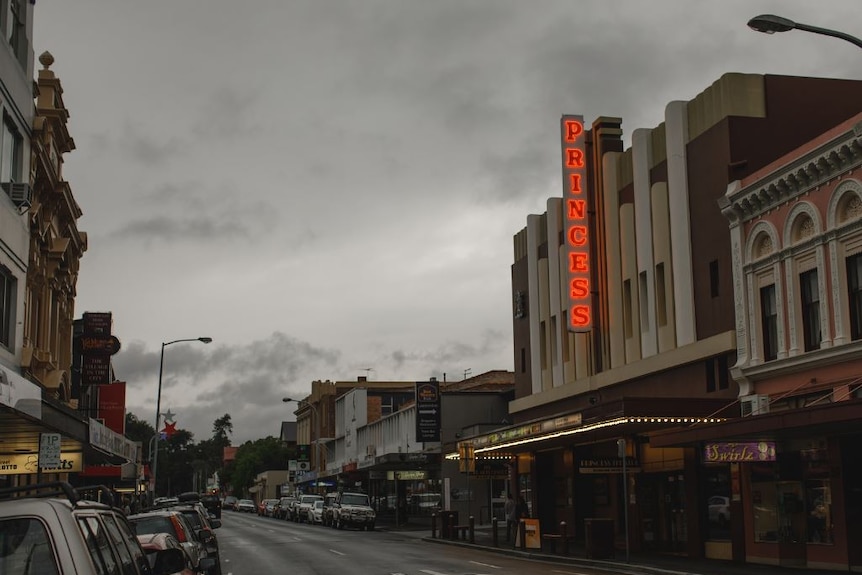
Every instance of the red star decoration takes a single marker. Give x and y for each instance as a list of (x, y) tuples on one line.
[(170, 429)]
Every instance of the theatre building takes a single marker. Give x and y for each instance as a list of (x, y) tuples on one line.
[(627, 318)]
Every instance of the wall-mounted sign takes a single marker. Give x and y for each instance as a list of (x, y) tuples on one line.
[(725, 452), (410, 475), (49, 450), (576, 224), (427, 411), (28, 463), (609, 465)]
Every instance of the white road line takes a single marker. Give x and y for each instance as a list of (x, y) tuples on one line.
[(431, 572), (336, 552), (485, 565)]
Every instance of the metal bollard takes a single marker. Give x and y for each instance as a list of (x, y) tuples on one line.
[(564, 540), (472, 525), (433, 526), (494, 532)]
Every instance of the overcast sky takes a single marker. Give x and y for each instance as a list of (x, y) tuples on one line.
[(329, 188)]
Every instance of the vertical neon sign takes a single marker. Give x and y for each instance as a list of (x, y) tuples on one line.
[(576, 224)]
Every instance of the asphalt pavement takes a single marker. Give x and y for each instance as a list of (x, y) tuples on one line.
[(638, 563)]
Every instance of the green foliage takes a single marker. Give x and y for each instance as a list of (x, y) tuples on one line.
[(183, 464), (138, 429), (254, 457)]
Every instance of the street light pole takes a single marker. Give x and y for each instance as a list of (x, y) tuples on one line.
[(301, 402), (770, 24), (159, 406)]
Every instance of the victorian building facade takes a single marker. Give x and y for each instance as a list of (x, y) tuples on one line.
[(796, 238)]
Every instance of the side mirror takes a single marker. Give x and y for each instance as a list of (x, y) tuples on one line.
[(205, 536), (216, 523), (169, 561)]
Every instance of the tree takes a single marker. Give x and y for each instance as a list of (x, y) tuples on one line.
[(138, 429), (175, 457), (222, 428), (256, 456)]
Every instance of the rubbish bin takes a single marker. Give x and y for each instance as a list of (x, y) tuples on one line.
[(599, 537), (444, 518)]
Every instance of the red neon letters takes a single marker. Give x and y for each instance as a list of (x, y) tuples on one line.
[(577, 232)]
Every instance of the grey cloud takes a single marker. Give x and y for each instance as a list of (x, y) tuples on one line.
[(224, 114)]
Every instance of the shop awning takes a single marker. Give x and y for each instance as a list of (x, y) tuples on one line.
[(626, 416), (829, 419)]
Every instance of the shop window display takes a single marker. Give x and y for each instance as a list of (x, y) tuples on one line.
[(718, 489), (818, 503)]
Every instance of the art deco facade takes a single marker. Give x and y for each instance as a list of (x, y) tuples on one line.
[(663, 351)]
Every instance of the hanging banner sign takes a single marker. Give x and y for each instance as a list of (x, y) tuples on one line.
[(427, 411), (576, 225)]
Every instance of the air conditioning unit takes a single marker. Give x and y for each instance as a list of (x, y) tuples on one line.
[(20, 193), (755, 404)]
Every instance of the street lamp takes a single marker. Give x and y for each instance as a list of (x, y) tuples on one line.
[(770, 24), (301, 402), (159, 403)]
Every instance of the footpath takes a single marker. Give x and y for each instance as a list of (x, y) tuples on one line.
[(637, 564)]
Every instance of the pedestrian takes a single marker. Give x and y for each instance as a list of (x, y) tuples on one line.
[(511, 517), (521, 512)]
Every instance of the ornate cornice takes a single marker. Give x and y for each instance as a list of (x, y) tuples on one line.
[(810, 170)]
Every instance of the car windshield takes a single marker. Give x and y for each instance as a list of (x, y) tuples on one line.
[(355, 499), (193, 517), (155, 524)]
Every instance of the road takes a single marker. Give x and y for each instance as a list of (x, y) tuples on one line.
[(252, 545)]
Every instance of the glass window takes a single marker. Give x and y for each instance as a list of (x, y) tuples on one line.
[(854, 295), (764, 503), (7, 303), (769, 322), (818, 502), (100, 549), (717, 488), (127, 562), (25, 548), (810, 299), (10, 153)]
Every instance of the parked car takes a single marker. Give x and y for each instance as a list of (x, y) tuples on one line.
[(317, 512), (44, 526), (152, 543), (246, 506), (212, 503), (230, 502), (293, 510), (328, 500), (303, 510), (174, 523), (269, 507), (282, 508), (204, 527), (353, 509)]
